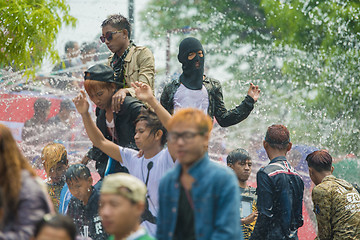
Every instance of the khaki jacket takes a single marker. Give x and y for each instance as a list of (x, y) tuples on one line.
[(337, 209), (139, 66)]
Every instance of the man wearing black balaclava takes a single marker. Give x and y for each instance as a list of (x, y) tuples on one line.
[(194, 89)]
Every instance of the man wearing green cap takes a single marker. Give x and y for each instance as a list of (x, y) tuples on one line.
[(122, 201)]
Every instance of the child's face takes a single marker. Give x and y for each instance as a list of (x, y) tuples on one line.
[(80, 188), (57, 173)]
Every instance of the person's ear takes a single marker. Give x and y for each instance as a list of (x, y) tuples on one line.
[(230, 165), (265, 144), (90, 180), (140, 208), (289, 146), (159, 134), (332, 169), (126, 33)]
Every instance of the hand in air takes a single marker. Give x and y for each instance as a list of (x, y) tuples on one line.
[(254, 91), (118, 99), (143, 91), (81, 103)]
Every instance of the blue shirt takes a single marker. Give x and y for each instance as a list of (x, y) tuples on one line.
[(216, 198)]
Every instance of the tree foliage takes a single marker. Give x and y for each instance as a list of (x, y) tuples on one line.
[(305, 51), (28, 30)]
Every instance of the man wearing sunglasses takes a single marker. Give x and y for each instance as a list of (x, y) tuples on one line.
[(130, 62)]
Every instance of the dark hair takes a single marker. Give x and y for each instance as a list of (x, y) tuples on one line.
[(57, 221), (76, 172), (152, 122), (319, 160), (278, 137), (119, 22), (41, 105), (69, 44), (237, 155)]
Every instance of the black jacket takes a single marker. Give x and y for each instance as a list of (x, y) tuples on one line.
[(280, 195), (217, 108), (86, 217), (124, 130)]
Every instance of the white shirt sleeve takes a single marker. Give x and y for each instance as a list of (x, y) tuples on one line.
[(129, 158)]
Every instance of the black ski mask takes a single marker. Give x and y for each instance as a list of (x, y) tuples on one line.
[(192, 76)]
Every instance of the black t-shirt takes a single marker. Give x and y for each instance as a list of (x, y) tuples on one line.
[(185, 224)]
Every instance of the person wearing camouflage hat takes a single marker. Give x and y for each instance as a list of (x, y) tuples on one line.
[(122, 201), (336, 202)]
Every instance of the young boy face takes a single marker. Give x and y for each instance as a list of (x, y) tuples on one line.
[(80, 188), (242, 169)]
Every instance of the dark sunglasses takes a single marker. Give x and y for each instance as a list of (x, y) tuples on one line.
[(108, 36)]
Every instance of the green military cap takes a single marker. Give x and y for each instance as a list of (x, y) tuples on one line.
[(125, 185), (100, 72)]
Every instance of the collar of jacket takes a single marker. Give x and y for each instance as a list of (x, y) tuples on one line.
[(278, 159), (197, 170), (130, 53)]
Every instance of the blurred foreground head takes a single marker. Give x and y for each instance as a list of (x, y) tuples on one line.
[(189, 133), (55, 227), (122, 201)]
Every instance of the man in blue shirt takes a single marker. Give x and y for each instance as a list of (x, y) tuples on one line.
[(280, 190)]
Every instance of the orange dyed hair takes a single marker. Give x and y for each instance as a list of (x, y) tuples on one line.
[(91, 86), (192, 115), (12, 162)]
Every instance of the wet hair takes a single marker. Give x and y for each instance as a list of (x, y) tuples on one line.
[(319, 160), (69, 44), (237, 155), (41, 105), (57, 221), (92, 85), (77, 172), (192, 115), (119, 22), (52, 154), (152, 122), (278, 137)]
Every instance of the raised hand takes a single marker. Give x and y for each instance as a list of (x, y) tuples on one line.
[(81, 103), (142, 91), (254, 91)]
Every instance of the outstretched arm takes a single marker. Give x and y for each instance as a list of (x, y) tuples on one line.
[(95, 135), (233, 116)]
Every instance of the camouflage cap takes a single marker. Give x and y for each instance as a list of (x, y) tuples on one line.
[(125, 185)]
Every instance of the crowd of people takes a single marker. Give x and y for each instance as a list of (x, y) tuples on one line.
[(157, 180)]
